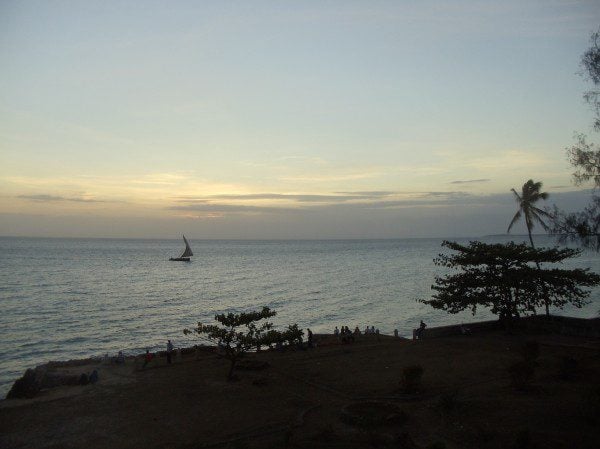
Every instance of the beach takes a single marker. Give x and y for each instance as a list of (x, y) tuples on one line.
[(300, 398)]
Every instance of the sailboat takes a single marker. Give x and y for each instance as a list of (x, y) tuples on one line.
[(185, 256)]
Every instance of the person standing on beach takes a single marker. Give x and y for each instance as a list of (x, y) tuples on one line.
[(169, 351), (310, 337), (147, 358)]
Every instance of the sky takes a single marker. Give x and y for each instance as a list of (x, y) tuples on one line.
[(271, 119)]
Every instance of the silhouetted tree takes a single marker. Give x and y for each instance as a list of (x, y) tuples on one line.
[(530, 194), (503, 277), (237, 333), (583, 227)]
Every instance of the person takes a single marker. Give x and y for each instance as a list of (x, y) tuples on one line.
[(356, 331), (336, 332), (93, 378), (372, 330), (147, 358), (120, 358), (396, 333), (310, 337), (169, 351), (366, 330), (422, 327)]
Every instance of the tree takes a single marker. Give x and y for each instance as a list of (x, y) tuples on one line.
[(590, 63), (237, 333), (582, 227), (504, 278), (530, 194)]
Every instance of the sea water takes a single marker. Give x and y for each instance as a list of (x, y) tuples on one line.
[(72, 298)]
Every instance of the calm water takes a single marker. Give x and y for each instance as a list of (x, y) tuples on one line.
[(72, 298)]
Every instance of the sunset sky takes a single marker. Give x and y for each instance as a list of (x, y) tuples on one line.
[(275, 119)]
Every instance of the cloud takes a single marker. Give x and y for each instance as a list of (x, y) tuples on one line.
[(44, 198), (233, 208), (470, 181), (337, 197), (307, 203)]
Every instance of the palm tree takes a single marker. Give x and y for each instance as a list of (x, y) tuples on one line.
[(530, 194)]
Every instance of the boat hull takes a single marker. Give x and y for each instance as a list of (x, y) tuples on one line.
[(180, 259)]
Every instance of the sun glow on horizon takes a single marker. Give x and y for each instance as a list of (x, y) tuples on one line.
[(295, 116)]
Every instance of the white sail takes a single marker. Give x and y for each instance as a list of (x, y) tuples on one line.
[(188, 251)]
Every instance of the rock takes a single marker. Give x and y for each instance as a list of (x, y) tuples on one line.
[(25, 387)]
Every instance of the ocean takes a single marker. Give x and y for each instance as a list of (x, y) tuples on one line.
[(73, 298)]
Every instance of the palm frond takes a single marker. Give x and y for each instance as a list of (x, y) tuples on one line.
[(514, 220)]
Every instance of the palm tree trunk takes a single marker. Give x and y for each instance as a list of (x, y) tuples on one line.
[(539, 268)]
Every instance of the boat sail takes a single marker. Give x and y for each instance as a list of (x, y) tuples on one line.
[(187, 253)]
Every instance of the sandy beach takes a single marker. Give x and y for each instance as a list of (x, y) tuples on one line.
[(300, 398)]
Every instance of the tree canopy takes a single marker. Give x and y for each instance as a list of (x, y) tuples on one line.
[(237, 333), (505, 278), (530, 194), (582, 227)]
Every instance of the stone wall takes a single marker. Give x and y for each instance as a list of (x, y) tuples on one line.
[(580, 327)]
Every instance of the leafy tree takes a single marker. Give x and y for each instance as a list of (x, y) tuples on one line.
[(237, 333), (582, 227), (530, 194), (590, 63), (503, 277)]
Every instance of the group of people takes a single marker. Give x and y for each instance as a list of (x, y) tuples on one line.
[(149, 356), (345, 332)]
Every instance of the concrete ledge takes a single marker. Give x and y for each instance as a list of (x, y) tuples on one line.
[(553, 324)]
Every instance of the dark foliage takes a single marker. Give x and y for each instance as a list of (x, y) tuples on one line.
[(237, 333), (583, 227), (590, 63), (505, 278)]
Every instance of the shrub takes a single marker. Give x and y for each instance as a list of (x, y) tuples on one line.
[(522, 374), (411, 378)]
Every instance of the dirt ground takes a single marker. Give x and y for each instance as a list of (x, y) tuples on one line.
[(465, 399)]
